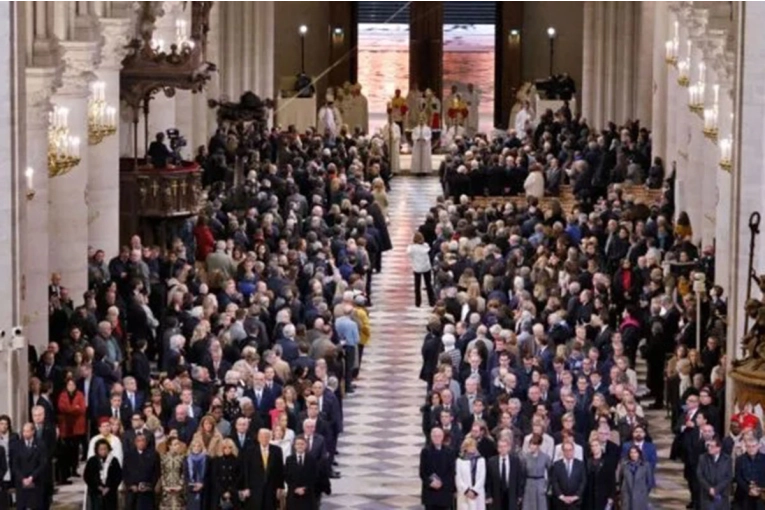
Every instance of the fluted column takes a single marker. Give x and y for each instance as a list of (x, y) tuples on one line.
[(644, 50), (265, 49), (103, 170), (40, 84), (68, 214), (213, 55), (659, 82), (600, 113), (14, 371), (624, 91), (589, 65)]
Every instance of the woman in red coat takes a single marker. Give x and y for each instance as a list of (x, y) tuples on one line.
[(71, 426), (204, 239)]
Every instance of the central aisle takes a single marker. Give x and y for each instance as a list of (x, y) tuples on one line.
[(379, 451)]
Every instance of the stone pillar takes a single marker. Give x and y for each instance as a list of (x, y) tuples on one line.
[(661, 34), (589, 64), (748, 178), (13, 363), (645, 51), (103, 167), (40, 84), (624, 40), (265, 49), (214, 55), (599, 111), (68, 214), (426, 46), (724, 205)]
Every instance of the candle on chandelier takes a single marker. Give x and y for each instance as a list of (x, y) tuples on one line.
[(29, 175), (111, 116), (726, 149), (75, 146)]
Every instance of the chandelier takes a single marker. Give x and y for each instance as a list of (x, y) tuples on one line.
[(684, 69), (672, 47), (63, 149), (710, 116), (102, 118), (696, 92)]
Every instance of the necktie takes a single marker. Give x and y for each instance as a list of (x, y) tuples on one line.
[(568, 468), (257, 395), (115, 413), (310, 443), (503, 472), (241, 439), (29, 444), (300, 460), (132, 401), (264, 456)]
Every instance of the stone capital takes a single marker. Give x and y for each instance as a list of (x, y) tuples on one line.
[(80, 59), (116, 34), (41, 84)]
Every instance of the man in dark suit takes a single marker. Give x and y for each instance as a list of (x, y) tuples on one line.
[(48, 371), (301, 473), (45, 436), (715, 474), (437, 473), (140, 367), (568, 479), (182, 424), (140, 475), (29, 467), (240, 435), (132, 400), (316, 445), (639, 441), (263, 400), (96, 395), (262, 479), (505, 479), (137, 427)]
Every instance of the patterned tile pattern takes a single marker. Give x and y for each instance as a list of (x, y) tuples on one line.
[(379, 451)]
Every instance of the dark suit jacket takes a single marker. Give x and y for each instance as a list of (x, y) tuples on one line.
[(249, 442), (262, 483), (141, 370), (499, 490), (305, 476), (28, 462), (563, 485), (440, 463)]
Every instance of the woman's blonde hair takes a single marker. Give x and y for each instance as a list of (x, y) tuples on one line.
[(468, 443), (229, 443)]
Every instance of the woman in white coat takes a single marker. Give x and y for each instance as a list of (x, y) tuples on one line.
[(534, 185), (470, 477)]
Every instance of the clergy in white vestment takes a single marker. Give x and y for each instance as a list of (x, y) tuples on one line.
[(421, 150), (329, 120), (431, 107), (526, 114), (391, 135), (472, 99), (356, 113), (454, 131)]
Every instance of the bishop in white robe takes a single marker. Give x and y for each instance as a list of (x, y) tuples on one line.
[(472, 99), (329, 120), (391, 135)]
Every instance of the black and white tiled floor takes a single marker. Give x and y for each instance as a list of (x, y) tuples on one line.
[(379, 451)]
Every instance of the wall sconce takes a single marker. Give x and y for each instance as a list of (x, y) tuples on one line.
[(726, 153), (696, 93), (684, 69), (514, 35), (711, 128), (672, 47), (102, 118), (63, 149), (29, 174), (338, 35)]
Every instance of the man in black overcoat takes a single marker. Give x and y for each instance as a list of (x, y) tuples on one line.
[(505, 479), (262, 475), (29, 470), (301, 475), (437, 472), (140, 474)]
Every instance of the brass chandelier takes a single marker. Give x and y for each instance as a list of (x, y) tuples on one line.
[(102, 118), (63, 149)]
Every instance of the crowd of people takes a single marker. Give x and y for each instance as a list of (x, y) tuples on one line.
[(212, 374), (539, 316)]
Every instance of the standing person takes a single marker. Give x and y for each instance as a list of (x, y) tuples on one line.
[(71, 428), (391, 135), (437, 473), (29, 470), (262, 479), (504, 479), (715, 473), (103, 476), (568, 479), (196, 473), (172, 479), (536, 465), (636, 481), (472, 99), (301, 475), (601, 477), (330, 120), (421, 150), (750, 477), (140, 475), (470, 477), (8, 442), (225, 473), (419, 257)]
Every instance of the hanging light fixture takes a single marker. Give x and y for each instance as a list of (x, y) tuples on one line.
[(696, 92), (63, 149), (102, 118), (726, 153), (684, 69)]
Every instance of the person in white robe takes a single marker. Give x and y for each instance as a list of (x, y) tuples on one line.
[(525, 115), (421, 150), (472, 98), (454, 131), (391, 135), (357, 110), (329, 120)]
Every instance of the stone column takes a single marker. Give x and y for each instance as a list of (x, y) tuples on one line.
[(599, 113), (68, 214), (724, 205), (748, 178), (589, 68), (103, 167), (645, 52), (611, 67), (661, 34), (624, 40), (40, 85), (214, 55), (13, 363)]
